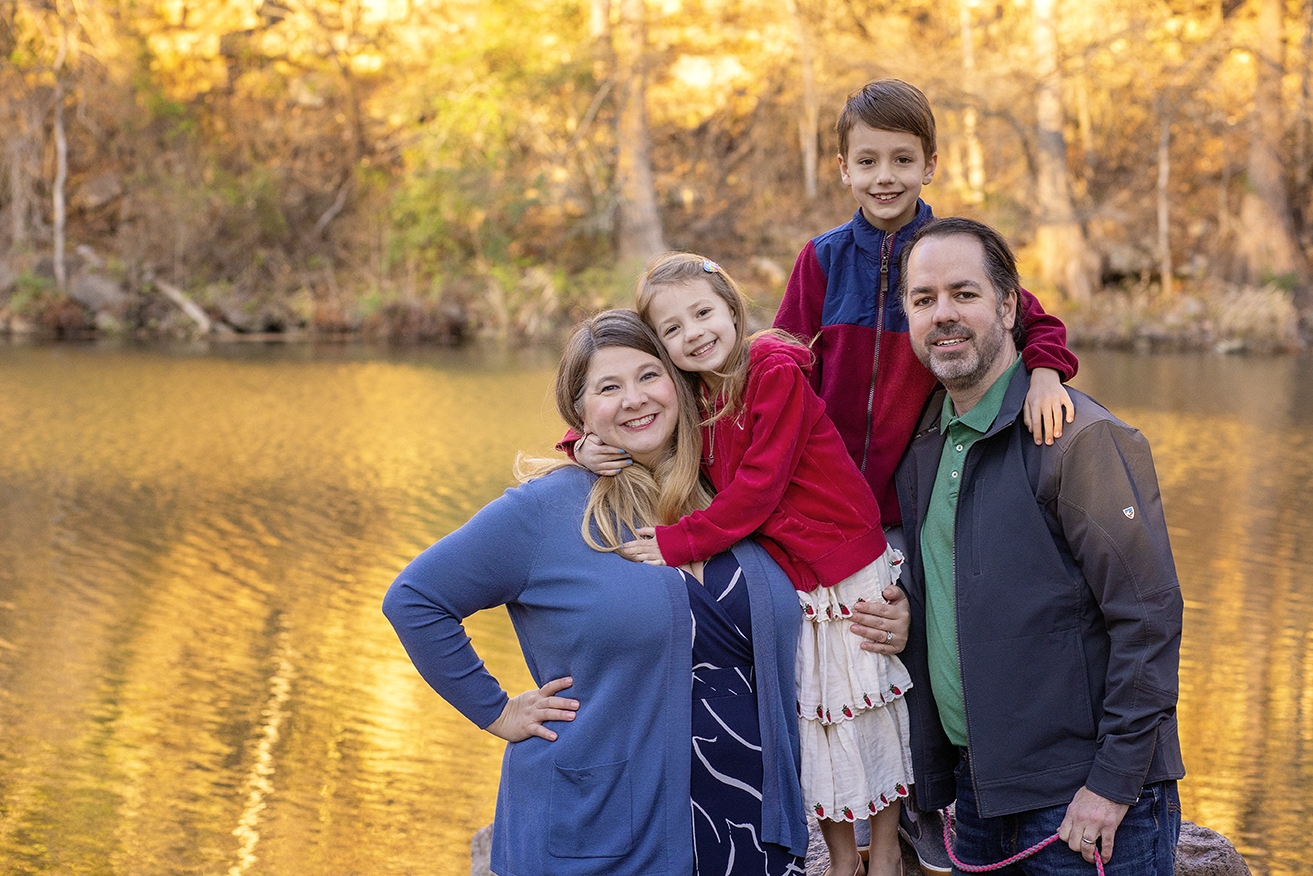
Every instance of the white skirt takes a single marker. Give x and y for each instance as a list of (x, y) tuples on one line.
[(852, 717)]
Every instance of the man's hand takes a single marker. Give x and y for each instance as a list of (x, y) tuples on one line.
[(884, 625), (600, 458), (1091, 824), (645, 549), (1048, 404), (523, 715)]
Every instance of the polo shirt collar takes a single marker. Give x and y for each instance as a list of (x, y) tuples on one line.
[(984, 412)]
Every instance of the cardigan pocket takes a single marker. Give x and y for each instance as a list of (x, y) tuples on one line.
[(591, 811)]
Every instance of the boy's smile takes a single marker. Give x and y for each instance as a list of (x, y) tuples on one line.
[(885, 171)]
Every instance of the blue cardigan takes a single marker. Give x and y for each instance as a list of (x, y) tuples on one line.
[(611, 794)]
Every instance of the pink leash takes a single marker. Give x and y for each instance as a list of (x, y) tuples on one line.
[(983, 868)]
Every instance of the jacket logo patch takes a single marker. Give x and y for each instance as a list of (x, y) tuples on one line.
[(1129, 512)]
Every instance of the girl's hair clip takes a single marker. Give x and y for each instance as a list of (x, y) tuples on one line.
[(710, 267)]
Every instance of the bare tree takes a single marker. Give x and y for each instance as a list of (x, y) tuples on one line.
[(1164, 202), (599, 18), (1058, 235), (975, 157), (1266, 236), (639, 221), (61, 161), (809, 112)]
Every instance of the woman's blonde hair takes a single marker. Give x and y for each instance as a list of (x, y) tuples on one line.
[(637, 496), (679, 268)]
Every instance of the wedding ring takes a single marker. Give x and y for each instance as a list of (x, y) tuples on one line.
[(888, 637), (1086, 841)]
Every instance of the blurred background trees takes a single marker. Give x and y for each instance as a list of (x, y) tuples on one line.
[(427, 167)]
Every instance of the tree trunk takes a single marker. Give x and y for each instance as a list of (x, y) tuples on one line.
[(599, 18), (1302, 112), (19, 162), (1266, 240), (809, 113), (1306, 98), (639, 235), (1059, 236), (975, 156), (1164, 174), (1085, 125), (61, 166)]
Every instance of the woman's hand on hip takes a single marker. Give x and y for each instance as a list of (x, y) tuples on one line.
[(524, 715), (884, 625)]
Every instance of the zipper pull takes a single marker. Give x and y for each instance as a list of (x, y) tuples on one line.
[(886, 253)]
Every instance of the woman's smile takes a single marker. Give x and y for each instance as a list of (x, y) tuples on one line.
[(630, 402)]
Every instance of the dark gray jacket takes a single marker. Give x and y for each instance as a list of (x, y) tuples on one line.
[(1068, 613)]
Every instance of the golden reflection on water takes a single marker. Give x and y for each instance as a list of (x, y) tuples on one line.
[(195, 675), (1233, 445)]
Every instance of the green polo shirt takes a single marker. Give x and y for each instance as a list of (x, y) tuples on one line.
[(937, 534)]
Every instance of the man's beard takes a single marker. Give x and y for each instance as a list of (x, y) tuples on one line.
[(964, 369)]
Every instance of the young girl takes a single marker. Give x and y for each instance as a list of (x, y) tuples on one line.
[(781, 470)]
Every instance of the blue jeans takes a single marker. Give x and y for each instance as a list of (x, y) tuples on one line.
[(1145, 843)]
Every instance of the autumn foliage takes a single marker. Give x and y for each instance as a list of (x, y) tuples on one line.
[(434, 169)]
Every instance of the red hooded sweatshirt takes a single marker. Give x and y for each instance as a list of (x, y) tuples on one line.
[(781, 470)]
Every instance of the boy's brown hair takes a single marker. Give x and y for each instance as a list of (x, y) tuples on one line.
[(888, 105)]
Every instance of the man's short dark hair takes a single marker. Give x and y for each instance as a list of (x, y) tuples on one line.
[(1000, 263)]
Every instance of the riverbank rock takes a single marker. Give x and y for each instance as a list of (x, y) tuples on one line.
[(101, 295), (1201, 852), (481, 852), (1204, 852)]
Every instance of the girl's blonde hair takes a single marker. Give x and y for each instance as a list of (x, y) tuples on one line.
[(637, 496), (680, 268)]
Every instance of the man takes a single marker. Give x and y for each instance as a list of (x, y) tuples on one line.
[(1046, 610)]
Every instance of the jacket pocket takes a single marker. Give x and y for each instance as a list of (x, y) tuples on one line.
[(805, 534), (591, 812)]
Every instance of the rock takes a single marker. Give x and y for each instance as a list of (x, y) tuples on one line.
[(99, 294), (248, 312), (108, 323), (97, 191), (1204, 852), (481, 852)]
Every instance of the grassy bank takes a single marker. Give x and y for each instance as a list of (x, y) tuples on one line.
[(538, 306)]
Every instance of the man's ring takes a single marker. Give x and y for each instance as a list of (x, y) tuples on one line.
[(1087, 841), (888, 637)]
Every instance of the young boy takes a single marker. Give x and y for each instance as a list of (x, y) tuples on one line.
[(843, 294), (843, 297)]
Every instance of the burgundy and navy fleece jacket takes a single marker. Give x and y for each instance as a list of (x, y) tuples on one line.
[(843, 299), (781, 470)]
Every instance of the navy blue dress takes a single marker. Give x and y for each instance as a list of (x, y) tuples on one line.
[(727, 767)]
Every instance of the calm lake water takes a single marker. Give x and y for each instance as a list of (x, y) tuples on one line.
[(195, 676)]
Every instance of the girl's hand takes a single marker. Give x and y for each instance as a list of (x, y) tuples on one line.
[(523, 715), (599, 458), (1045, 403), (645, 549)]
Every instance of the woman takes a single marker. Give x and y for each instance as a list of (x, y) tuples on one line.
[(597, 776)]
